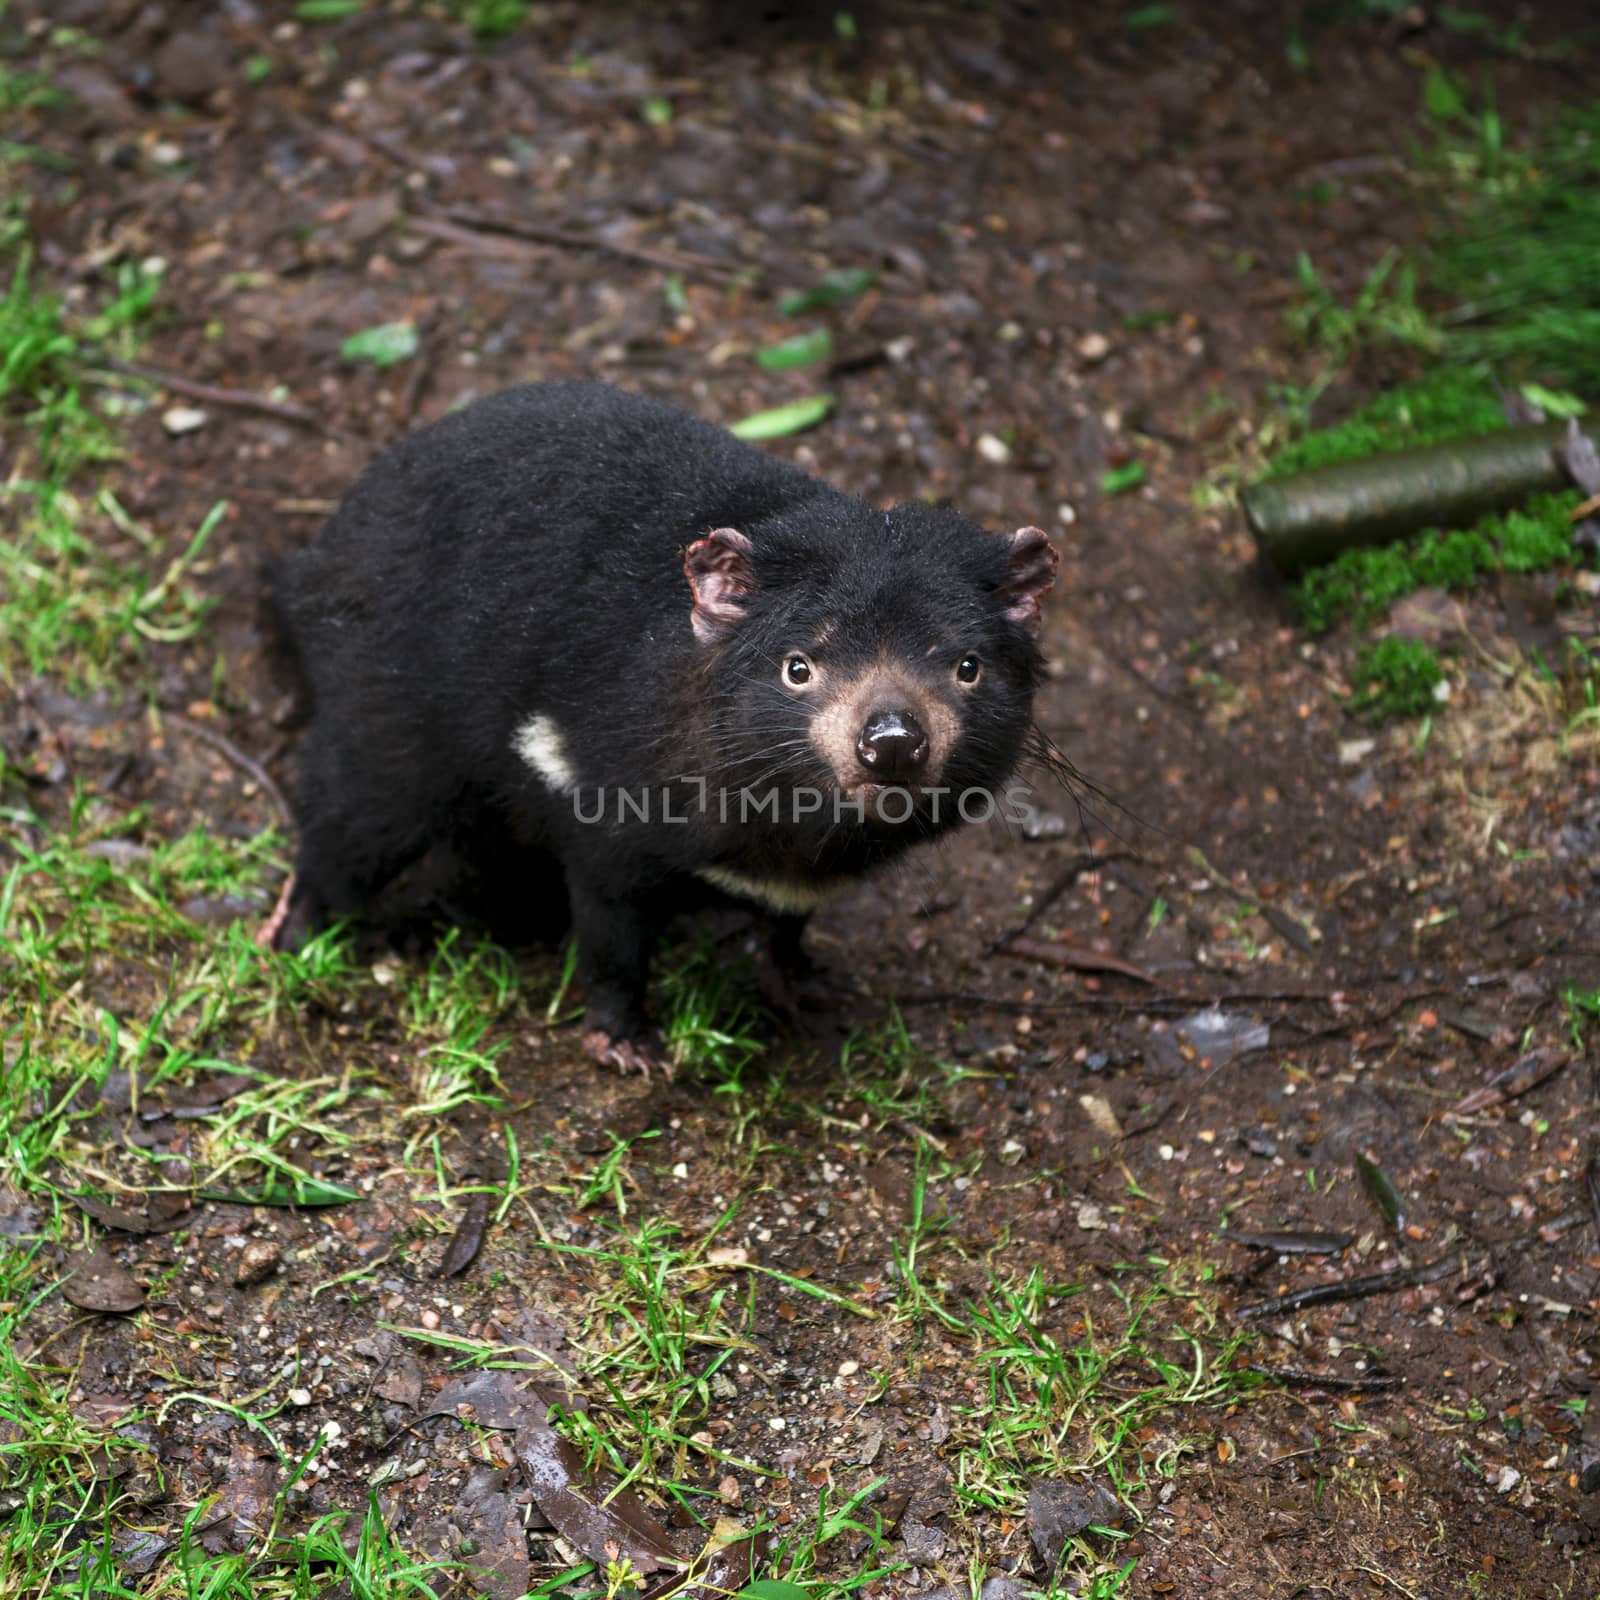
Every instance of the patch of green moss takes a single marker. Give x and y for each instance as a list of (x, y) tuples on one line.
[(1452, 403), (1396, 678), (1537, 536), (1361, 584)]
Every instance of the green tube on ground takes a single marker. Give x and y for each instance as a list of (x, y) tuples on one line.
[(1307, 518)]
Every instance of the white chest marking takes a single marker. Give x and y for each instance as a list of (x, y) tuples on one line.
[(791, 895), (538, 741)]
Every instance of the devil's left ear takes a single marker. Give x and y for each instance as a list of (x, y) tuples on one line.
[(1030, 571), (718, 570)]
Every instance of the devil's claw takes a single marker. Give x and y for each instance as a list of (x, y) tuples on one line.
[(626, 1056)]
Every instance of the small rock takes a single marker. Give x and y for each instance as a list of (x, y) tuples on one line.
[(1003, 1589), (1060, 1511), (190, 66), (97, 94), (1352, 752), (1203, 213), (923, 1544), (179, 420), (258, 1260), (138, 1552), (994, 449), (299, 1397), (1093, 347), (1040, 825)]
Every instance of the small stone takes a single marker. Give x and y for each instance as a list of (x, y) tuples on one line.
[(179, 420), (259, 1260), (994, 449), (1352, 752), (1508, 1480), (299, 1397), (1093, 347), (191, 66), (429, 1319), (848, 1369), (1039, 825)]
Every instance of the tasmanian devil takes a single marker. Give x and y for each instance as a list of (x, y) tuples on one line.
[(581, 635)]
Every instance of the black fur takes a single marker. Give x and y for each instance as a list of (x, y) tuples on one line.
[(526, 555)]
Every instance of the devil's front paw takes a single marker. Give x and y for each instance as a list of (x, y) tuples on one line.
[(642, 1056)]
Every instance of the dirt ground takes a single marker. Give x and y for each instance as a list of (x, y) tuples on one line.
[(1085, 236)]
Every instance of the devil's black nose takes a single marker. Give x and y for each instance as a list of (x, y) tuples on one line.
[(892, 746)]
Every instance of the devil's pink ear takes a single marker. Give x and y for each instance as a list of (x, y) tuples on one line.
[(718, 570), (1030, 571)]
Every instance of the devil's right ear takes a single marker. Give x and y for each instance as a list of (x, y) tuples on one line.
[(719, 573), (1031, 565)]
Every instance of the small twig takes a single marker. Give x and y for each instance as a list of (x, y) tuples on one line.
[(211, 394), (1162, 1005), (571, 239), (1374, 1283), (247, 764), (1076, 958), (1293, 1378)]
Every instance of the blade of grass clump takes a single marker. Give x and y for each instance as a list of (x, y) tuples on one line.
[(800, 351), (845, 284), (386, 345), (300, 1192), (782, 421), (1524, 272)]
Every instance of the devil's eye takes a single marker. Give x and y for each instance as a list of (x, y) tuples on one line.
[(797, 670), (967, 669)]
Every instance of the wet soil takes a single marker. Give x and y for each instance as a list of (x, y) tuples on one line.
[(1085, 236)]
